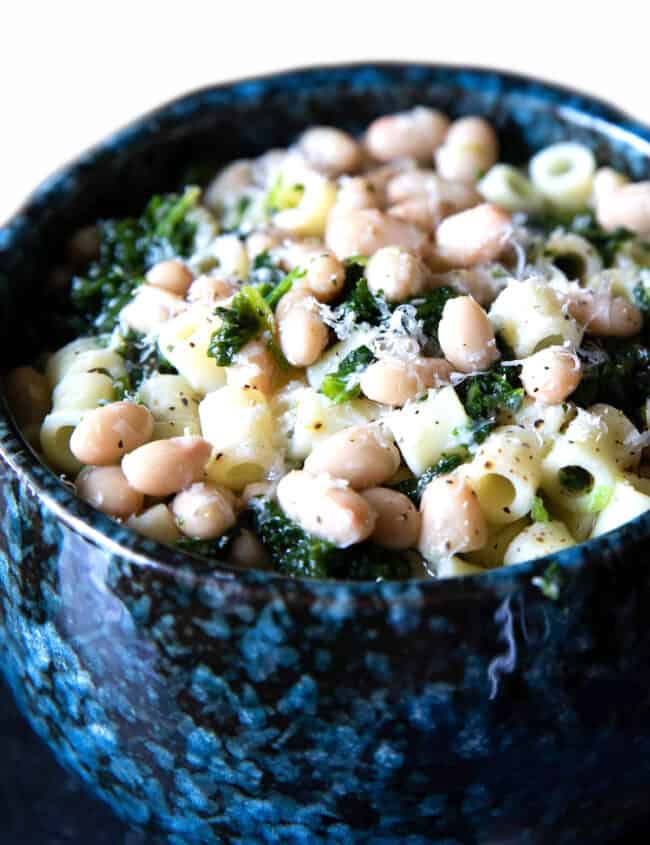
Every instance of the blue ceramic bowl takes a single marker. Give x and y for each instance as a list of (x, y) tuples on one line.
[(220, 706)]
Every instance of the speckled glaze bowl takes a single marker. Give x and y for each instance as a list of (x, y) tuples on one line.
[(219, 706)]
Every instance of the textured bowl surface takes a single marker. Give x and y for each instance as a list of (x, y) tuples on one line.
[(226, 707)]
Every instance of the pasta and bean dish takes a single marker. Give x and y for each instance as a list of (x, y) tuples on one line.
[(361, 358)]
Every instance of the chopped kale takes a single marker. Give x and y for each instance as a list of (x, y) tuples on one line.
[(249, 317), (363, 304), (429, 307), (485, 395), (551, 582), (575, 479), (297, 553), (616, 372), (415, 487), (264, 271), (128, 248), (273, 293), (538, 510), (343, 383), (142, 358)]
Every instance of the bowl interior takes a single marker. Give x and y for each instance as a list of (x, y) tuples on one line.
[(191, 137)]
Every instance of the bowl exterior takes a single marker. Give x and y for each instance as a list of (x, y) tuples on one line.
[(224, 707)]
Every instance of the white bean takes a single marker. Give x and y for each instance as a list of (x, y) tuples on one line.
[(605, 315), (398, 521), (322, 506), (167, 466), (398, 274), (172, 276), (150, 307), (412, 134), (551, 375), (466, 336), (361, 455), (445, 196), (106, 434), (325, 275), (471, 148), (365, 231), (628, 206), (353, 194), (606, 180), (393, 381), (108, 490), (303, 334), (204, 511), (452, 520), (209, 289), (329, 150), (475, 236)]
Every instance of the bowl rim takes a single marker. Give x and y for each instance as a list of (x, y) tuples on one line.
[(101, 530)]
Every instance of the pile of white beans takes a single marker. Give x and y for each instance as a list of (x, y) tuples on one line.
[(426, 202)]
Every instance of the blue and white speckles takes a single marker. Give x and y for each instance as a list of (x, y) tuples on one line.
[(404, 602), (388, 760), (263, 645), (193, 795), (301, 698), (162, 756)]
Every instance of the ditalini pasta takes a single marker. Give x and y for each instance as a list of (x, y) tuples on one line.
[(362, 357)]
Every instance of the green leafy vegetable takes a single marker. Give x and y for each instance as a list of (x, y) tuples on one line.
[(273, 293), (142, 359), (429, 307), (128, 248), (551, 582), (616, 372), (250, 316), (363, 304), (485, 395), (295, 552), (247, 318), (575, 479), (538, 510), (415, 487), (343, 384)]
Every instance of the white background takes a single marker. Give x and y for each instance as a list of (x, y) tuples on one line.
[(70, 72)]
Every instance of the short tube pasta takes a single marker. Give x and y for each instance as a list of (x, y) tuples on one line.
[(239, 425), (530, 315), (505, 474)]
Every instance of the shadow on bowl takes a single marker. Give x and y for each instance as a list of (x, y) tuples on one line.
[(219, 706)]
